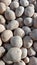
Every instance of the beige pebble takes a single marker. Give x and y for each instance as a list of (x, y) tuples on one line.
[(16, 41), (20, 63), (26, 60), (31, 52), (13, 25), (2, 51), (2, 28), (2, 7), (2, 62), (29, 11), (19, 11), (33, 34), (7, 2), (20, 20), (33, 61), (2, 20), (24, 3), (14, 5), (24, 52), (6, 35), (0, 42), (13, 55), (27, 42), (10, 15), (20, 32), (35, 46)]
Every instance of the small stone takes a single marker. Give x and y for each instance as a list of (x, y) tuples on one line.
[(20, 32), (28, 21), (14, 5), (31, 52), (13, 25), (0, 42), (24, 3), (13, 55), (6, 35), (19, 11), (26, 60), (2, 51), (26, 29), (24, 52), (33, 61), (2, 20), (7, 2), (20, 63), (2, 7), (1, 62), (33, 34), (29, 11), (35, 46), (16, 41), (2, 28), (10, 15), (27, 42)]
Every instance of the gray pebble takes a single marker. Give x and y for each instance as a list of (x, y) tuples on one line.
[(2, 62), (19, 11), (16, 41)]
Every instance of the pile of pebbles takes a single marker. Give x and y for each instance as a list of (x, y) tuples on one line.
[(18, 32)]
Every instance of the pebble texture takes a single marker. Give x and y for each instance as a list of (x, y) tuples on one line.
[(18, 32)]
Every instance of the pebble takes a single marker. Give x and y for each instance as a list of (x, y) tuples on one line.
[(20, 32), (31, 52), (27, 42), (6, 35), (35, 46), (10, 15), (1, 62), (16, 41), (20, 63), (29, 11), (13, 55), (14, 5), (19, 11), (20, 20), (13, 25), (26, 60), (26, 29), (2, 20), (24, 52), (2, 51), (2, 8), (0, 42), (33, 34), (28, 21), (2, 28), (24, 3), (7, 2), (33, 61)]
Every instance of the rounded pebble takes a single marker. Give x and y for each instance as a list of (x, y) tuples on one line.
[(19, 11), (1, 62), (20, 32), (16, 41), (26, 60), (27, 42), (0, 42), (6, 35)]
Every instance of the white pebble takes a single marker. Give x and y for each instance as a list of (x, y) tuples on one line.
[(26, 60), (1, 62), (0, 42)]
